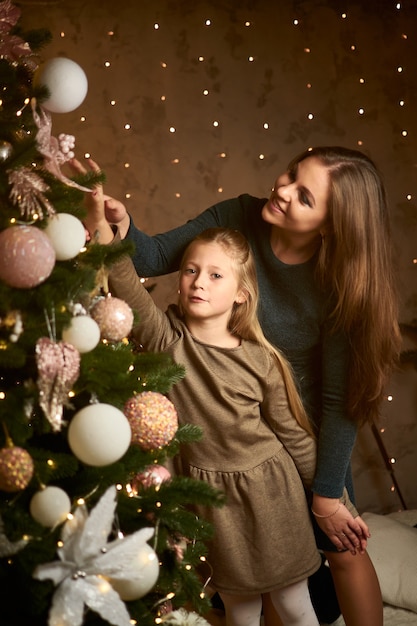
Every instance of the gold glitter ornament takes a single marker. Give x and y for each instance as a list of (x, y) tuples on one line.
[(16, 469), (153, 420)]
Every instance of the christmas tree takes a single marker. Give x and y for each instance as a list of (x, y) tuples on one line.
[(93, 528)]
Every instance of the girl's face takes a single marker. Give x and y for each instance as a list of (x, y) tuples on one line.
[(208, 283), (299, 205)]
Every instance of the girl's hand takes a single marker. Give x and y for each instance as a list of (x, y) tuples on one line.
[(344, 530), (95, 222)]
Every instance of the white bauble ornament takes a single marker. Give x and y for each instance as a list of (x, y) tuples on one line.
[(50, 506), (66, 234), (66, 82), (99, 434), (141, 582), (83, 333)]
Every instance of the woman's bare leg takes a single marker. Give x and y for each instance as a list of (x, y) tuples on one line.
[(357, 588)]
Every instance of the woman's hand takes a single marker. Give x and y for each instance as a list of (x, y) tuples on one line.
[(344, 530), (116, 213), (96, 222)]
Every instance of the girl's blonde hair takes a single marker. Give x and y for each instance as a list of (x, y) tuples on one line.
[(355, 264), (243, 320)]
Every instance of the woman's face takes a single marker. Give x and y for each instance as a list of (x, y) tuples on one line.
[(299, 205)]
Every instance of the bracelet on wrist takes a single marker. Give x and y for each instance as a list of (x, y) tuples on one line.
[(329, 515)]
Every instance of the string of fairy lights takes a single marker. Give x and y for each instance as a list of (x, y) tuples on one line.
[(267, 125), (251, 58)]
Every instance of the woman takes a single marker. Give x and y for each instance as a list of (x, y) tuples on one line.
[(327, 300)]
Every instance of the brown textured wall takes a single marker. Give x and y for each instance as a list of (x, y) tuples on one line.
[(327, 65)]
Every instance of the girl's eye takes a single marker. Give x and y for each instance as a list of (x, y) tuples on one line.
[(216, 275), (189, 270)]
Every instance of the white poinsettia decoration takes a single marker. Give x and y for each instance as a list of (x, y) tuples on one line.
[(181, 617), (86, 561), (8, 548)]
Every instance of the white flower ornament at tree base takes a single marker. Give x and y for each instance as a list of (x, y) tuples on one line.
[(87, 561), (181, 617)]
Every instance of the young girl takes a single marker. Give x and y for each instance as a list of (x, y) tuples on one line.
[(256, 446)]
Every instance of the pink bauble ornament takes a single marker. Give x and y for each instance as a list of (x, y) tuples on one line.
[(66, 234), (27, 256), (165, 608), (153, 475), (99, 434), (66, 82), (152, 418), (50, 506), (114, 317), (16, 469)]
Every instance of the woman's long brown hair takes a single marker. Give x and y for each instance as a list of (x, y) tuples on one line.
[(356, 264)]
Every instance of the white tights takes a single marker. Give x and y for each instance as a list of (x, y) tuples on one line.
[(292, 603)]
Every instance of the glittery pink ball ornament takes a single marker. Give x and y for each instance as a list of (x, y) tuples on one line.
[(114, 317), (152, 476), (16, 469), (27, 256), (152, 418)]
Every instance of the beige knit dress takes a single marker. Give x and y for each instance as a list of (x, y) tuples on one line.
[(252, 449)]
